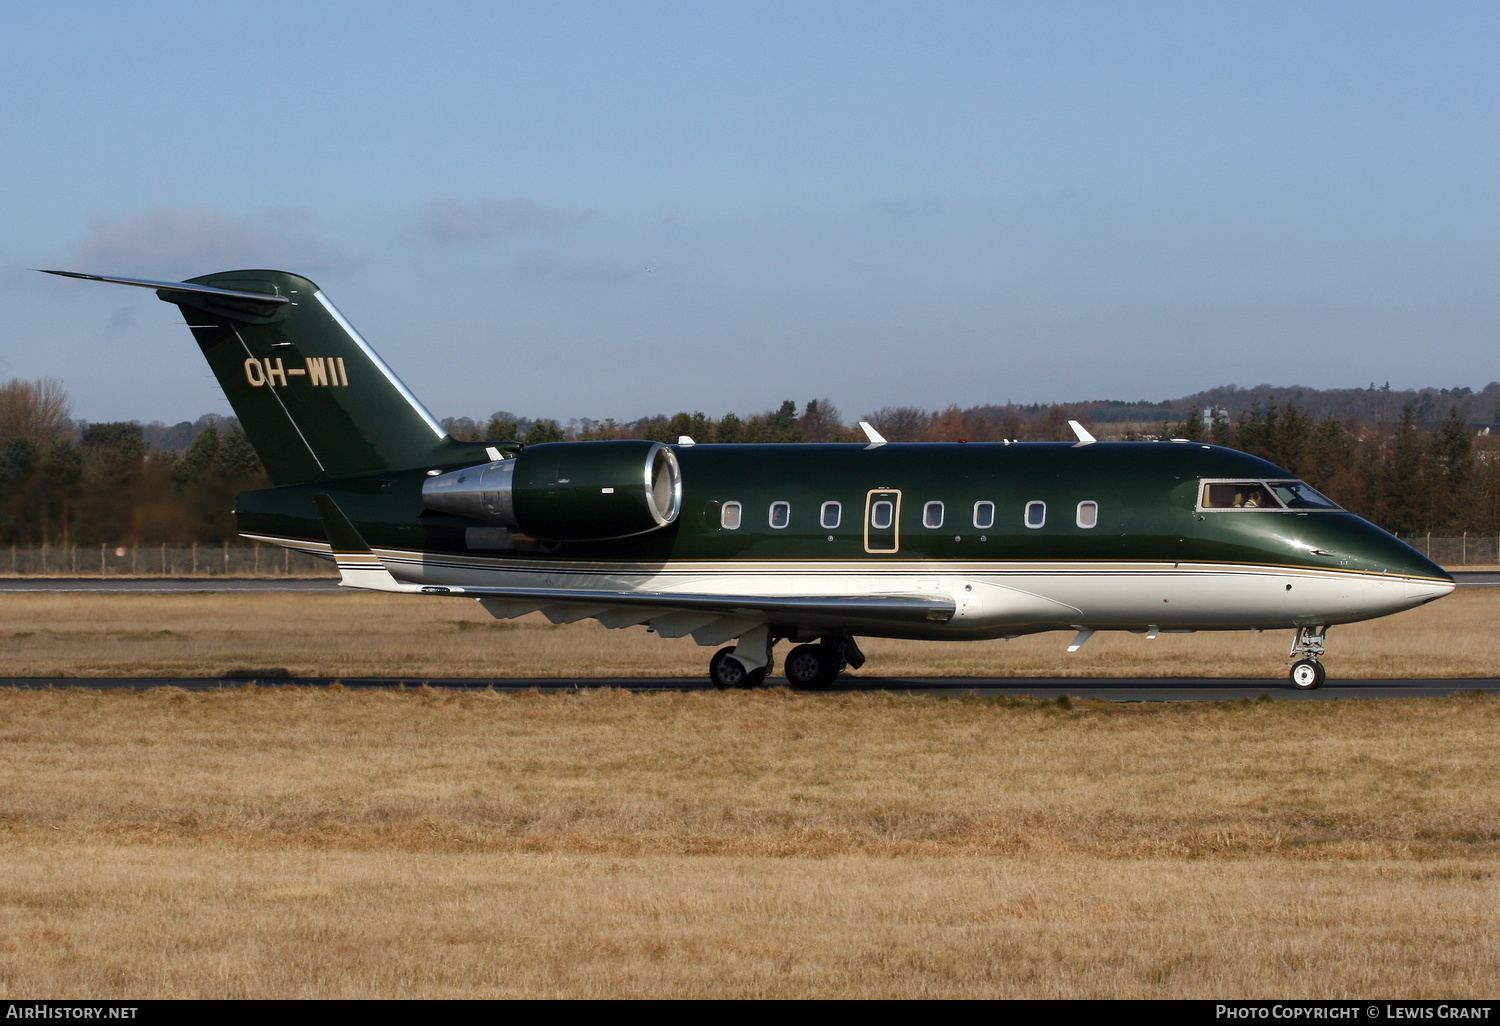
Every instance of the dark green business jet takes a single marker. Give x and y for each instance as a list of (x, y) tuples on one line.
[(756, 544)]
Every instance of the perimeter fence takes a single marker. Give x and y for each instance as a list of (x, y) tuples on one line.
[(273, 561), (161, 561), (1457, 550)]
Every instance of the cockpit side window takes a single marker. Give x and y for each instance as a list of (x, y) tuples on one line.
[(1230, 494), (1237, 495)]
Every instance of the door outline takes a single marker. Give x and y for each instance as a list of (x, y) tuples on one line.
[(892, 495)]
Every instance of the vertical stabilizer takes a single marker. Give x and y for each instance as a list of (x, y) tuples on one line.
[(314, 399)]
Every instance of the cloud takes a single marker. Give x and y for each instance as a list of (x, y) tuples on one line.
[(448, 222), (1050, 202), (545, 266), (173, 242), (910, 208)]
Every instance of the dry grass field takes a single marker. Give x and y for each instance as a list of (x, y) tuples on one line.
[(333, 843), (361, 634)]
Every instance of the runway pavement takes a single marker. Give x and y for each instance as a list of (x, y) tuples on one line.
[(1133, 689)]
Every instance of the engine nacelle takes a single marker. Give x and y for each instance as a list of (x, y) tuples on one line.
[(568, 491)]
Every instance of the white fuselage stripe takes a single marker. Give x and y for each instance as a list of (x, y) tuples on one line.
[(986, 594)]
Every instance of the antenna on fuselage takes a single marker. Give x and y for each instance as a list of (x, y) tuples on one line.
[(874, 436), (1084, 438)]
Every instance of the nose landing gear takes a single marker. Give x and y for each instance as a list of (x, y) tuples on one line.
[(1307, 672)]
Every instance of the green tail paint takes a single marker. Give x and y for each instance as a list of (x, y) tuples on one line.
[(314, 399)]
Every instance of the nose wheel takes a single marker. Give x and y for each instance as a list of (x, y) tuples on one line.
[(1307, 672), (1308, 675)]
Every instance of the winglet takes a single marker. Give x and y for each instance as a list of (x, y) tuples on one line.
[(1084, 438), (874, 436), (359, 567)]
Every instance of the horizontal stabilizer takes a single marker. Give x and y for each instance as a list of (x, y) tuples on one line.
[(180, 287)]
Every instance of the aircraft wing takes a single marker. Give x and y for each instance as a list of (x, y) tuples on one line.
[(710, 618)]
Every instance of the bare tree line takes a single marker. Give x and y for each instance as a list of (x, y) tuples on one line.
[(1427, 469)]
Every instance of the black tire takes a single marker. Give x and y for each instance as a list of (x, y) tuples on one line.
[(728, 673), (1307, 675), (811, 667)]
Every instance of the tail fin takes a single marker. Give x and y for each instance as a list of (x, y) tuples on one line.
[(313, 397)]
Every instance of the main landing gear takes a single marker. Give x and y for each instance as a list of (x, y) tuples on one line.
[(728, 672), (809, 667), (1308, 673), (814, 667)]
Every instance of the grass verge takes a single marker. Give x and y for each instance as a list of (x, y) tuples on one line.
[(300, 843)]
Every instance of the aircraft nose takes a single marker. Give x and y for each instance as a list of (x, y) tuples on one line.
[(1412, 578), (1400, 558), (1359, 545)]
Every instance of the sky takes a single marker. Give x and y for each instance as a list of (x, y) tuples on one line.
[(621, 209)]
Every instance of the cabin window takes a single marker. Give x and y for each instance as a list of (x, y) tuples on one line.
[(781, 514), (1088, 514), (881, 515), (984, 515), (932, 515), (729, 516), (1036, 513), (830, 515)]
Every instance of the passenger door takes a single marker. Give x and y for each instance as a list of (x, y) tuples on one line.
[(883, 520)]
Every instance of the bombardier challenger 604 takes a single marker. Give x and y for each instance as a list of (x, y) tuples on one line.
[(756, 544)]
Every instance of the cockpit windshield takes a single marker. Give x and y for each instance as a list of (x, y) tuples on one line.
[(1301, 495), (1261, 495)]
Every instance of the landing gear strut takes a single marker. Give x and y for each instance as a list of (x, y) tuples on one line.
[(1308, 673)]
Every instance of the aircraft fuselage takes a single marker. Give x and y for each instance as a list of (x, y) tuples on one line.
[(1120, 540)]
